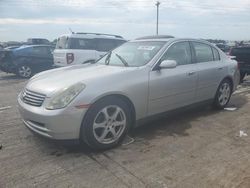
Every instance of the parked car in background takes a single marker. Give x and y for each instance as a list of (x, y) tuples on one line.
[(80, 48), (11, 47), (242, 55), (37, 41), (98, 103), (225, 48), (25, 61)]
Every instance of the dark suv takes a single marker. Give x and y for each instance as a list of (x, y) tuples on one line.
[(26, 60), (242, 55)]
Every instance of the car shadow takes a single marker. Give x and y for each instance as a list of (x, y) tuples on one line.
[(10, 76), (175, 125)]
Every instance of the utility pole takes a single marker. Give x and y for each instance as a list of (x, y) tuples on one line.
[(157, 20)]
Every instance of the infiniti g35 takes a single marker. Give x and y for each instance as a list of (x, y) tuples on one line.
[(98, 103)]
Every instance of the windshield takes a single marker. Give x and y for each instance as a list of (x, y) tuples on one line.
[(132, 54)]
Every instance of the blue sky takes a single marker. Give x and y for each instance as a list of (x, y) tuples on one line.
[(22, 19)]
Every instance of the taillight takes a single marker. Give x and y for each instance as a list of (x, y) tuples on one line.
[(70, 58)]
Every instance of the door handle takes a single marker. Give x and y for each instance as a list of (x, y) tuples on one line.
[(220, 68), (191, 73)]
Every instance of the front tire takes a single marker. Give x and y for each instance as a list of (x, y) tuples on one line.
[(24, 71), (223, 94), (106, 123)]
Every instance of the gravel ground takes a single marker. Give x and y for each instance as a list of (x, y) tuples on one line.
[(199, 148)]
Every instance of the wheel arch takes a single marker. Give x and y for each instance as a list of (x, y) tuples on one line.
[(230, 79), (120, 96)]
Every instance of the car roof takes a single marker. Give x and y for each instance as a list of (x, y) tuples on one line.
[(29, 46), (93, 35), (168, 38), (155, 37)]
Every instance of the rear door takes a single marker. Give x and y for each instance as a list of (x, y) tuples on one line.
[(41, 57), (71, 51), (211, 70), (175, 87), (82, 49)]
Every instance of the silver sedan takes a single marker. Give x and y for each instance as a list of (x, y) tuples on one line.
[(98, 103)]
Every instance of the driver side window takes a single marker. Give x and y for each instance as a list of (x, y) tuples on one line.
[(180, 52)]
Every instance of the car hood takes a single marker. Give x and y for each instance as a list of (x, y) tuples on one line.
[(49, 82)]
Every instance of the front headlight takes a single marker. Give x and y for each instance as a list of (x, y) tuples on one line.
[(62, 99)]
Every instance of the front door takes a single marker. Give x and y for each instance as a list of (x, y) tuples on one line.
[(172, 88)]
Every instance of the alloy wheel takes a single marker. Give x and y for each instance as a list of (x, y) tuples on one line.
[(224, 94), (24, 71), (109, 124)]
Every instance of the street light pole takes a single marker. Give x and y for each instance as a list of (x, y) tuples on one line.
[(157, 20)]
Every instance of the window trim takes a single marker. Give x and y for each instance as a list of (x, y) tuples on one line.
[(213, 48), (158, 62), (78, 39), (195, 57)]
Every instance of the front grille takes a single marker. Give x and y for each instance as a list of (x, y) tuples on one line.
[(32, 98)]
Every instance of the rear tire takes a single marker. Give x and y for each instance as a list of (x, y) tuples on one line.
[(223, 94), (106, 123), (24, 71)]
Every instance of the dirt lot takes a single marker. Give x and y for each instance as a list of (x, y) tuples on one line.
[(201, 148)]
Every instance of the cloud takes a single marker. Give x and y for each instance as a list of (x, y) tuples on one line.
[(197, 7), (80, 21)]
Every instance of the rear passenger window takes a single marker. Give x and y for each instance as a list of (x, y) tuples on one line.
[(203, 52), (105, 45), (78, 43), (180, 52), (40, 51), (216, 54)]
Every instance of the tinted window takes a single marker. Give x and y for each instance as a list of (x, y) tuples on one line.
[(241, 50), (203, 52), (22, 51), (78, 43), (105, 45), (216, 54), (180, 52), (40, 51)]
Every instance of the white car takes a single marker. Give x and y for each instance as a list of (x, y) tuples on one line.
[(79, 48)]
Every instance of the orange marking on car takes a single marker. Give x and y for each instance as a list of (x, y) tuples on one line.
[(83, 106)]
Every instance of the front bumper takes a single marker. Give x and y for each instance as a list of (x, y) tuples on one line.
[(6, 68), (61, 124)]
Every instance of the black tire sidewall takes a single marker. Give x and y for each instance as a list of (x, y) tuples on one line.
[(87, 125), (217, 104)]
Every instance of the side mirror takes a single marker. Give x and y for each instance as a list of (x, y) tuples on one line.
[(168, 64)]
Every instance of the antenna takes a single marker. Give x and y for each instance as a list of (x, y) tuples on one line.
[(71, 30)]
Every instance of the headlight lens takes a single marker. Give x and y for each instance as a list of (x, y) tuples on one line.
[(65, 97)]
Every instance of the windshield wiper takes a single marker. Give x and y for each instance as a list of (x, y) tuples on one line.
[(107, 60), (122, 60)]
